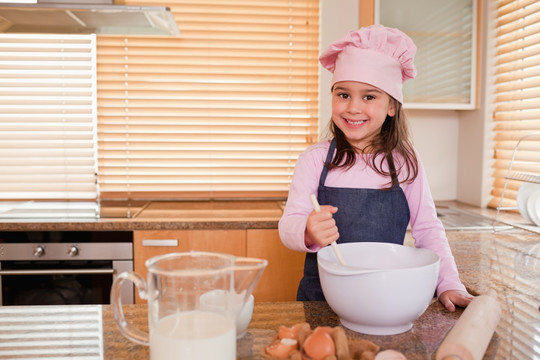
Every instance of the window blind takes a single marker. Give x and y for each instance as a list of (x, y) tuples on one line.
[(222, 111), (47, 126), (445, 57), (517, 99)]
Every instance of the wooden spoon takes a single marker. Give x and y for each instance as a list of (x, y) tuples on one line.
[(334, 244)]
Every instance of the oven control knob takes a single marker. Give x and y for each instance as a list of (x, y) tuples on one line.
[(73, 251), (39, 251)]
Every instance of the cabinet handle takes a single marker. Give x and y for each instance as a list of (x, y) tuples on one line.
[(152, 242)]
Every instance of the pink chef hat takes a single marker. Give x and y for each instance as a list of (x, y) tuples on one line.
[(376, 55)]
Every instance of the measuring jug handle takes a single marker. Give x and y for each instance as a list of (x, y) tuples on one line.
[(130, 332)]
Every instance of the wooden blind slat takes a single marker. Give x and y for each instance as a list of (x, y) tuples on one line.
[(516, 115)]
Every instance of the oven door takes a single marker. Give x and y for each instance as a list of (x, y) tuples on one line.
[(63, 273), (61, 282)]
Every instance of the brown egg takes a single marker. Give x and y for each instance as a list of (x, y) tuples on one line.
[(285, 332), (281, 348), (326, 329), (319, 344), (390, 355)]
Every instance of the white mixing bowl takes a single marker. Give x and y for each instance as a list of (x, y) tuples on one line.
[(384, 302), (215, 300)]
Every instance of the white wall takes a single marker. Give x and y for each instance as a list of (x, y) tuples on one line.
[(435, 136), (474, 149)]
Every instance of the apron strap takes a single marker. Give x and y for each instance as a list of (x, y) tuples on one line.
[(329, 157)]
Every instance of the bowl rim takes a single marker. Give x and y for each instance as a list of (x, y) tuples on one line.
[(328, 249)]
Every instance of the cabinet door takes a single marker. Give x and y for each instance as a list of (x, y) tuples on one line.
[(150, 243), (280, 279)]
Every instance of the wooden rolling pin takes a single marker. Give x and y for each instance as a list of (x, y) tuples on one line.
[(470, 336)]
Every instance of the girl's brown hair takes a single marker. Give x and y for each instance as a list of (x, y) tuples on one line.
[(394, 136)]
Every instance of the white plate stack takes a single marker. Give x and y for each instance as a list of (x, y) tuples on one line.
[(528, 202)]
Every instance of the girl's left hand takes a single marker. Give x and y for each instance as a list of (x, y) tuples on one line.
[(451, 298)]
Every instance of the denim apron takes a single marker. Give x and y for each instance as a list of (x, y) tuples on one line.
[(364, 215)]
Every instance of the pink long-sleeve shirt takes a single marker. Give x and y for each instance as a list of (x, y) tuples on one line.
[(426, 229)]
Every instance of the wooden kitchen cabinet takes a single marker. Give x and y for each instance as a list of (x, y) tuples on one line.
[(150, 243), (280, 279)]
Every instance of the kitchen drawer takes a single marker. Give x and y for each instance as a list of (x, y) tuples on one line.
[(148, 244)]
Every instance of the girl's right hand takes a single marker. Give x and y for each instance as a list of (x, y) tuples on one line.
[(321, 227)]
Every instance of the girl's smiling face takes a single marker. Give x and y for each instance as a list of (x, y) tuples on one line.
[(359, 110)]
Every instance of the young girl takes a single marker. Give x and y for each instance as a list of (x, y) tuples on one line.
[(367, 178)]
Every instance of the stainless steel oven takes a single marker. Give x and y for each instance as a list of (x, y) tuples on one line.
[(53, 268)]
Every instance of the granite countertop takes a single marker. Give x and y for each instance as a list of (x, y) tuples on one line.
[(508, 262), (90, 332), (419, 343), (162, 215), (222, 214)]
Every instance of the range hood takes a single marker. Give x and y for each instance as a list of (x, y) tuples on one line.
[(84, 17)]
